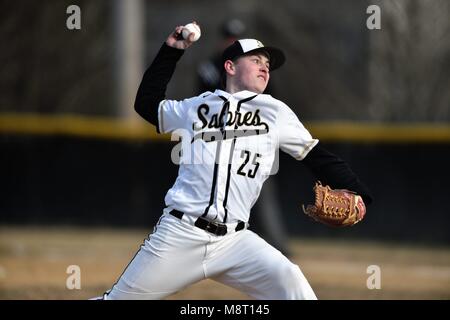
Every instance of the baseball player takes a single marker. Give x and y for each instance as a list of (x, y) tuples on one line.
[(267, 214), (230, 142)]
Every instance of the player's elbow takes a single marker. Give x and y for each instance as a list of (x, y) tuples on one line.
[(147, 109), (139, 107)]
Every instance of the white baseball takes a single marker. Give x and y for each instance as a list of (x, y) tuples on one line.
[(189, 28)]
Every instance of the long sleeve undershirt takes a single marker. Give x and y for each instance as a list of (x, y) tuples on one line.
[(154, 83), (335, 172)]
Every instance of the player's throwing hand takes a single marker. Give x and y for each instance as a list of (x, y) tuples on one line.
[(176, 40)]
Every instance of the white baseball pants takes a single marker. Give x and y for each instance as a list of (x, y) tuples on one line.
[(179, 254)]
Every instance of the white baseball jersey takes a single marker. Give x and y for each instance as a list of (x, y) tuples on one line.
[(229, 148)]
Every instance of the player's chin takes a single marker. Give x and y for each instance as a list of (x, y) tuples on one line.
[(261, 86)]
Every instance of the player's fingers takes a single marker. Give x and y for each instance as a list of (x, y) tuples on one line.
[(191, 37), (175, 34), (178, 30)]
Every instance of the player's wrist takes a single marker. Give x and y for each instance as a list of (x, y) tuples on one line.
[(171, 51)]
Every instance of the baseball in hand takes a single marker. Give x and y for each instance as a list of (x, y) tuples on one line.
[(189, 28)]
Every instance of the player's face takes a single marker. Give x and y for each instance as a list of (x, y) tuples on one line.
[(252, 72)]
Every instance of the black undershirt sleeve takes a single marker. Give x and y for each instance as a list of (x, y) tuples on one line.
[(152, 89), (335, 172)]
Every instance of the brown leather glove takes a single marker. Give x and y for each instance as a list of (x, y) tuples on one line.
[(336, 208)]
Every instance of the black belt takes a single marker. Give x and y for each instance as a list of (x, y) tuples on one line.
[(219, 229)]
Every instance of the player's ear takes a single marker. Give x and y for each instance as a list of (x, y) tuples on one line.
[(229, 67)]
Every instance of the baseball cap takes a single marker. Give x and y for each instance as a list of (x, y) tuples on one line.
[(247, 46)]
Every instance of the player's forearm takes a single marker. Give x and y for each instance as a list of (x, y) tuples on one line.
[(333, 171), (152, 89)]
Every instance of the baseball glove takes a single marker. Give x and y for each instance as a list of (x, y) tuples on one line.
[(336, 208)]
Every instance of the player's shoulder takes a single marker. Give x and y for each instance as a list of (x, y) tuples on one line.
[(283, 111), (198, 99), (206, 95), (278, 104)]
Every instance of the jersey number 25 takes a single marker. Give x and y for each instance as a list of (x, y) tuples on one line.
[(251, 173)]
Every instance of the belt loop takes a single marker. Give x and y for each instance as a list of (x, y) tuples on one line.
[(177, 214), (240, 226)]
